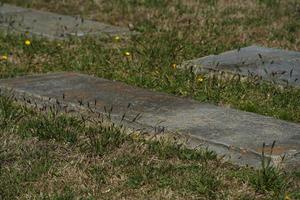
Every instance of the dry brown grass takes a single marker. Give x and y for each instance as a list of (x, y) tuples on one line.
[(201, 29), (49, 168)]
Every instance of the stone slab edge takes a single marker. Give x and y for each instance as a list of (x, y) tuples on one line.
[(235, 155), (225, 74), (4, 28), (194, 66)]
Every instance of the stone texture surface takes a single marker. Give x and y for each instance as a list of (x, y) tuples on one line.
[(238, 135), (279, 66), (52, 25)]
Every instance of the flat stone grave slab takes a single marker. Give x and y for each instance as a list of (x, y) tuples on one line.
[(51, 25), (276, 65), (236, 134)]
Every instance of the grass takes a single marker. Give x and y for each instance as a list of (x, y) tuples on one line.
[(171, 32), (109, 162)]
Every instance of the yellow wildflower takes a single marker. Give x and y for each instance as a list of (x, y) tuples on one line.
[(200, 79), (4, 57), (174, 66), (117, 38), (27, 42), (127, 53)]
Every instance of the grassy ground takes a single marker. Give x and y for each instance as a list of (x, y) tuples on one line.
[(172, 31), (51, 155), (62, 157)]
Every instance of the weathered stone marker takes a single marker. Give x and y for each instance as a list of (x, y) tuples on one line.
[(52, 25), (279, 66), (236, 134)]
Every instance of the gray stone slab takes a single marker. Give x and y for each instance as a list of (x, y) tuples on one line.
[(279, 66), (238, 135), (53, 25)]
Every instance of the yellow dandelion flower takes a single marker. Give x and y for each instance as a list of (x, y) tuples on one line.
[(27, 42), (127, 53), (200, 79), (117, 38), (174, 66), (4, 57)]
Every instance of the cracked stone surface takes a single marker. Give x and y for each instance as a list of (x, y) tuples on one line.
[(276, 65), (236, 134), (51, 25)]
